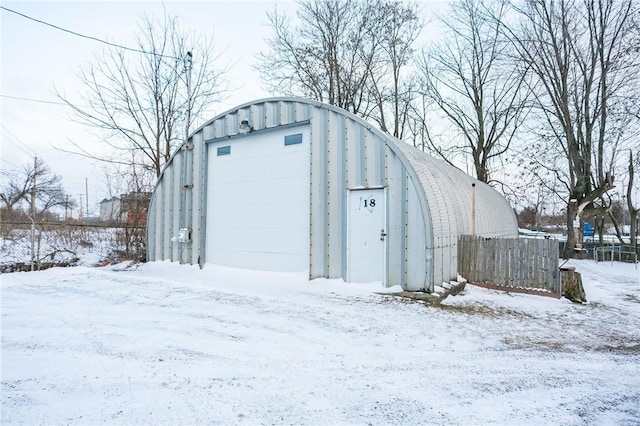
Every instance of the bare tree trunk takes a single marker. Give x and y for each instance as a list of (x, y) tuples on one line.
[(633, 211)]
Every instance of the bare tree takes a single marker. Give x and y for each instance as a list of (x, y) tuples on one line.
[(392, 87), (347, 53), (628, 196), (146, 102), (35, 188), (322, 58), (634, 163), (475, 85), (578, 52)]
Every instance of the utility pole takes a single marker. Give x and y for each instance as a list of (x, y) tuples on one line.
[(189, 66), (86, 192), (80, 217), (184, 220), (66, 207), (33, 212), (33, 188)]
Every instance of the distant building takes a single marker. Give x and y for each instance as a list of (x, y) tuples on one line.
[(134, 207), (130, 208), (110, 209)]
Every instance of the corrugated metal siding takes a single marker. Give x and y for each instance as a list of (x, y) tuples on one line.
[(428, 202), (329, 141), (198, 197), (344, 155), (319, 213), (173, 195), (416, 240), (396, 218), (186, 219)]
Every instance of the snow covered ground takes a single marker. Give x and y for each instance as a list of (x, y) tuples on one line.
[(170, 344)]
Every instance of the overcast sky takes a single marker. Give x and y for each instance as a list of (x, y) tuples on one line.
[(37, 58)]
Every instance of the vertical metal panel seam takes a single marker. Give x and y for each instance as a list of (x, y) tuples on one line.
[(386, 230), (312, 161), (307, 109), (167, 206), (204, 184), (387, 219), (170, 198), (151, 224), (341, 182), (176, 198), (183, 198), (365, 163), (265, 108), (325, 193), (172, 195), (278, 118), (311, 205), (361, 156), (189, 200), (160, 224), (405, 224), (348, 129), (189, 191), (193, 208), (382, 165)]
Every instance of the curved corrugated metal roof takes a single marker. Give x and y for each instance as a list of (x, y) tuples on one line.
[(449, 194)]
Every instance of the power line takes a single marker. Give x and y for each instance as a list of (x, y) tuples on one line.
[(15, 143), (16, 139), (9, 163), (88, 37), (32, 100), (42, 101)]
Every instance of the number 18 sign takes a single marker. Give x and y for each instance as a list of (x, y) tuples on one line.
[(367, 204)]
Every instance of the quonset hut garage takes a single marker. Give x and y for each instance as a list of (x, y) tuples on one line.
[(295, 185)]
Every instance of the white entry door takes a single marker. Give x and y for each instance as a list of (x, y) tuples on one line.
[(366, 239)]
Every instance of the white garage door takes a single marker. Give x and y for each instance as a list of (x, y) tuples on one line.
[(258, 201)]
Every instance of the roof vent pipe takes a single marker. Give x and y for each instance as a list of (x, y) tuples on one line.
[(245, 127)]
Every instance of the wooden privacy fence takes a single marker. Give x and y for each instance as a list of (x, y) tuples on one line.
[(515, 263)]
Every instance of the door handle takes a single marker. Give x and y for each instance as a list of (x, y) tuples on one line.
[(382, 234)]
